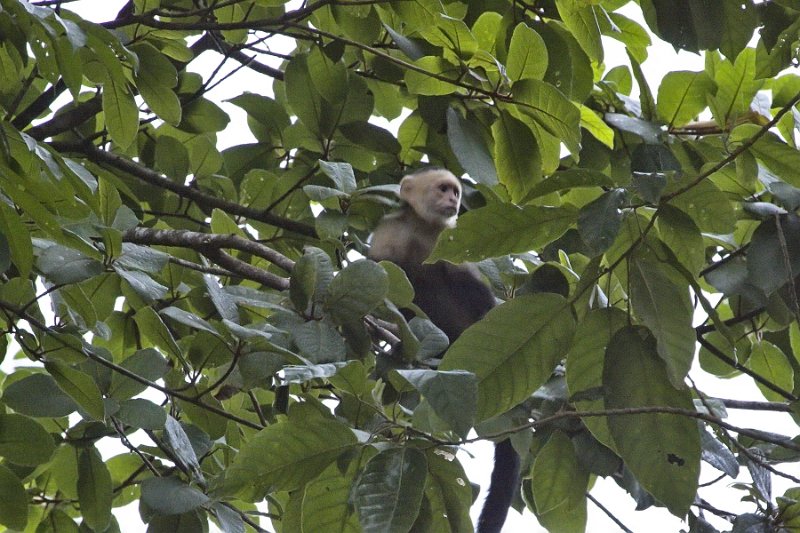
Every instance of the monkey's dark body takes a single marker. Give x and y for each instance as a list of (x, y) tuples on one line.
[(453, 296)]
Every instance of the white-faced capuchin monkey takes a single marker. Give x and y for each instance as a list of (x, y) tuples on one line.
[(453, 296)]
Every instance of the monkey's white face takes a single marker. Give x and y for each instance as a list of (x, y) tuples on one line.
[(435, 196), (446, 194)]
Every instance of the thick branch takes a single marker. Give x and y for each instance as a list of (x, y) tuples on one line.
[(67, 120), (202, 241), (210, 245)]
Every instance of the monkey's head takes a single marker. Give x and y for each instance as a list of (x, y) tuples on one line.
[(434, 195)]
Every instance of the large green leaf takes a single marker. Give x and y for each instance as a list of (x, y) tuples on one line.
[(469, 147), (517, 157), (452, 395), (527, 54), (357, 290), (13, 500), (79, 386), (661, 450), (326, 503), (550, 109), (24, 441), (662, 303), (513, 350), (682, 96), (500, 229), (389, 491), (769, 362), (170, 496), (38, 395), (584, 369), (94, 489), (286, 455), (557, 477)]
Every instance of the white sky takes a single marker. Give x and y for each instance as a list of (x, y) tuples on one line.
[(662, 59)]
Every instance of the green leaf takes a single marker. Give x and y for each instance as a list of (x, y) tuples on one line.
[(774, 254), (570, 179), (141, 413), (13, 501), (203, 116), (527, 54), (311, 275), (557, 477), (584, 369), (188, 319), (147, 363), (550, 109), (79, 386), (775, 154), (519, 163), (710, 208), (682, 237), (389, 491), (769, 361), (424, 83), (94, 489), (736, 88), (171, 496), (356, 290), (286, 455), (326, 503), (469, 147), (19, 239), (143, 285), (682, 96), (266, 118), (661, 450), (319, 341), (154, 330), (452, 395), (500, 229), (62, 265), (582, 21), (446, 474), (341, 174), (662, 303), (156, 79), (181, 447), (599, 220), (38, 395), (513, 349), (24, 441), (120, 111)]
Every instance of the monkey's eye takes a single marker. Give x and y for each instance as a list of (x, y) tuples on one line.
[(443, 187)]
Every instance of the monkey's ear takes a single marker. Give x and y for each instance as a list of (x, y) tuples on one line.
[(406, 187)]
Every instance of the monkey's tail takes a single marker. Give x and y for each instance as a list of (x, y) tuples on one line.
[(505, 479)]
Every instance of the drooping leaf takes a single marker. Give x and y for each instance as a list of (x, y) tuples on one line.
[(663, 305), (661, 450), (453, 395), (286, 455), (94, 489), (24, 441), (389, 491), (513, 350)]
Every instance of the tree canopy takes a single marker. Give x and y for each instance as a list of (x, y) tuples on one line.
[(209, 308)]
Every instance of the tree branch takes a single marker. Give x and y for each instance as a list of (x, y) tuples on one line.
[(206, 200)]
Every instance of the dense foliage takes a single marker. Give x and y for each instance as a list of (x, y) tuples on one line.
[(207, 308)]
